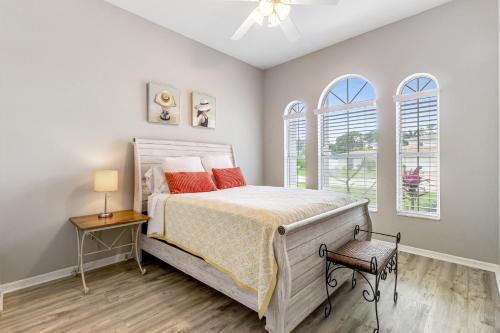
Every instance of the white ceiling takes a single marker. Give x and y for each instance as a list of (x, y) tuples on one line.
[(212, 22)]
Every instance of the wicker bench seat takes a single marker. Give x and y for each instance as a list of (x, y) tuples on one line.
[(359, 253)]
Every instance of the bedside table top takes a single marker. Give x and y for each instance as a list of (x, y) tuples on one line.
[(121, 217)]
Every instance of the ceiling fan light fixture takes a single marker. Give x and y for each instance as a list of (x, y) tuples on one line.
[(266, 7), (282, 10), (257, 16), (275, 13), (273, 20)]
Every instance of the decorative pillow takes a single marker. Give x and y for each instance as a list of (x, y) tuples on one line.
[(230, 177), (216, 162), (189, 182)]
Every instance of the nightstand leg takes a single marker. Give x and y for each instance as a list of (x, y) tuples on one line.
[(85, 289), (137, 232), (77, 269), (132, 248)]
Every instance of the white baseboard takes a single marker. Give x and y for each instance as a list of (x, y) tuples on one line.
[(61, 273), (486, 266)]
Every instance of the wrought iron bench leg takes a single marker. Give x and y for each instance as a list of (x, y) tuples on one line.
[(376, 300), (396, 280), (328, 308), (398, 240), (322, 253)]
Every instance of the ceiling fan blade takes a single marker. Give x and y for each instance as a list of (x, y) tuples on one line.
[(244, 27), (290, 29), (312, 2)]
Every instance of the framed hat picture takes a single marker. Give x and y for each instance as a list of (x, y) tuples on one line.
[(204, 110), (163, 104)]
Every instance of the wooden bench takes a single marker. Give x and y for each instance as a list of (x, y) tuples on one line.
[(362, 257)]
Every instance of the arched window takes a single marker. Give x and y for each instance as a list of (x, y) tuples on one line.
[(417, 131), (347, 118), (295, 145)]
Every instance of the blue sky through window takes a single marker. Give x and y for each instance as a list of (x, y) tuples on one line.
[(297, 108), (417, 85), (349, 90)]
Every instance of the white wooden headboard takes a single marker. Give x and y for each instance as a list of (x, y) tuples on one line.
[(149, 153)]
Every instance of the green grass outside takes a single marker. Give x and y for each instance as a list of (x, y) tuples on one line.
[(427, 201), (301, 173), (357, 192), (368, 173)]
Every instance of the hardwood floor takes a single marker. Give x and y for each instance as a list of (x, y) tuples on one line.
[(434, 296)]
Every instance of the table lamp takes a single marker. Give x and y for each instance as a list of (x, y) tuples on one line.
[(106, 181)]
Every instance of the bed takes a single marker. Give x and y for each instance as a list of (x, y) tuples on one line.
[(299, 287)]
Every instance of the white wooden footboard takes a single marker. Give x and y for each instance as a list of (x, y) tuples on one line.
[(301, 277)]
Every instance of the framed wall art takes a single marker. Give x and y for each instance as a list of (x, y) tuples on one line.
[(163, 104), (203, 110)]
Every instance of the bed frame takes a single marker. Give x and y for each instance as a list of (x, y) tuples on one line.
[(300, 287)]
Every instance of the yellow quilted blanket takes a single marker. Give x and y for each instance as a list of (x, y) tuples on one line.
[(233, 229)]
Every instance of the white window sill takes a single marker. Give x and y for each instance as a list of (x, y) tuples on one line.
[(419, 216)]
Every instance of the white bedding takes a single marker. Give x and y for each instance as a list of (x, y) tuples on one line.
[(156, 209)]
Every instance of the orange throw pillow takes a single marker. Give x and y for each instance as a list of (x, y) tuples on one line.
[(227, 178), (189, 182)]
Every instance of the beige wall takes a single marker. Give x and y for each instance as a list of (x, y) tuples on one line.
[(458, 43), (73, 79)]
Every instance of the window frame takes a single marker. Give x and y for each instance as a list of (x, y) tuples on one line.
[(321, 111), (287, 116), (398, 98)]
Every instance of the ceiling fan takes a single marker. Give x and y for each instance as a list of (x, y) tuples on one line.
[(276, 13)]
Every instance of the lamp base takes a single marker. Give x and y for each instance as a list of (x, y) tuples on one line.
[(104, 215)]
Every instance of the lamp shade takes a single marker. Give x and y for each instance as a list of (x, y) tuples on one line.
[(106, 180)]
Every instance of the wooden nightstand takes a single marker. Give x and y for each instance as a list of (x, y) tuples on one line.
[(90, 224)]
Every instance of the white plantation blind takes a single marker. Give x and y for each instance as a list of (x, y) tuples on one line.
[(418, 147), (295, 146), (348, 139)]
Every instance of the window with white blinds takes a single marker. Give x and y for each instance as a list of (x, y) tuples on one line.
[(418, 168), (295, 145), (348, 138)]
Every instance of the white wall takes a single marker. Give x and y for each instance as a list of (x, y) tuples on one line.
[(73, 77), (458, 43)]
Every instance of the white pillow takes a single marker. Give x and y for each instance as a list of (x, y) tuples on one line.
[(182, 164), (156, 181), (155, 177), (216, 162), (149, 179)]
